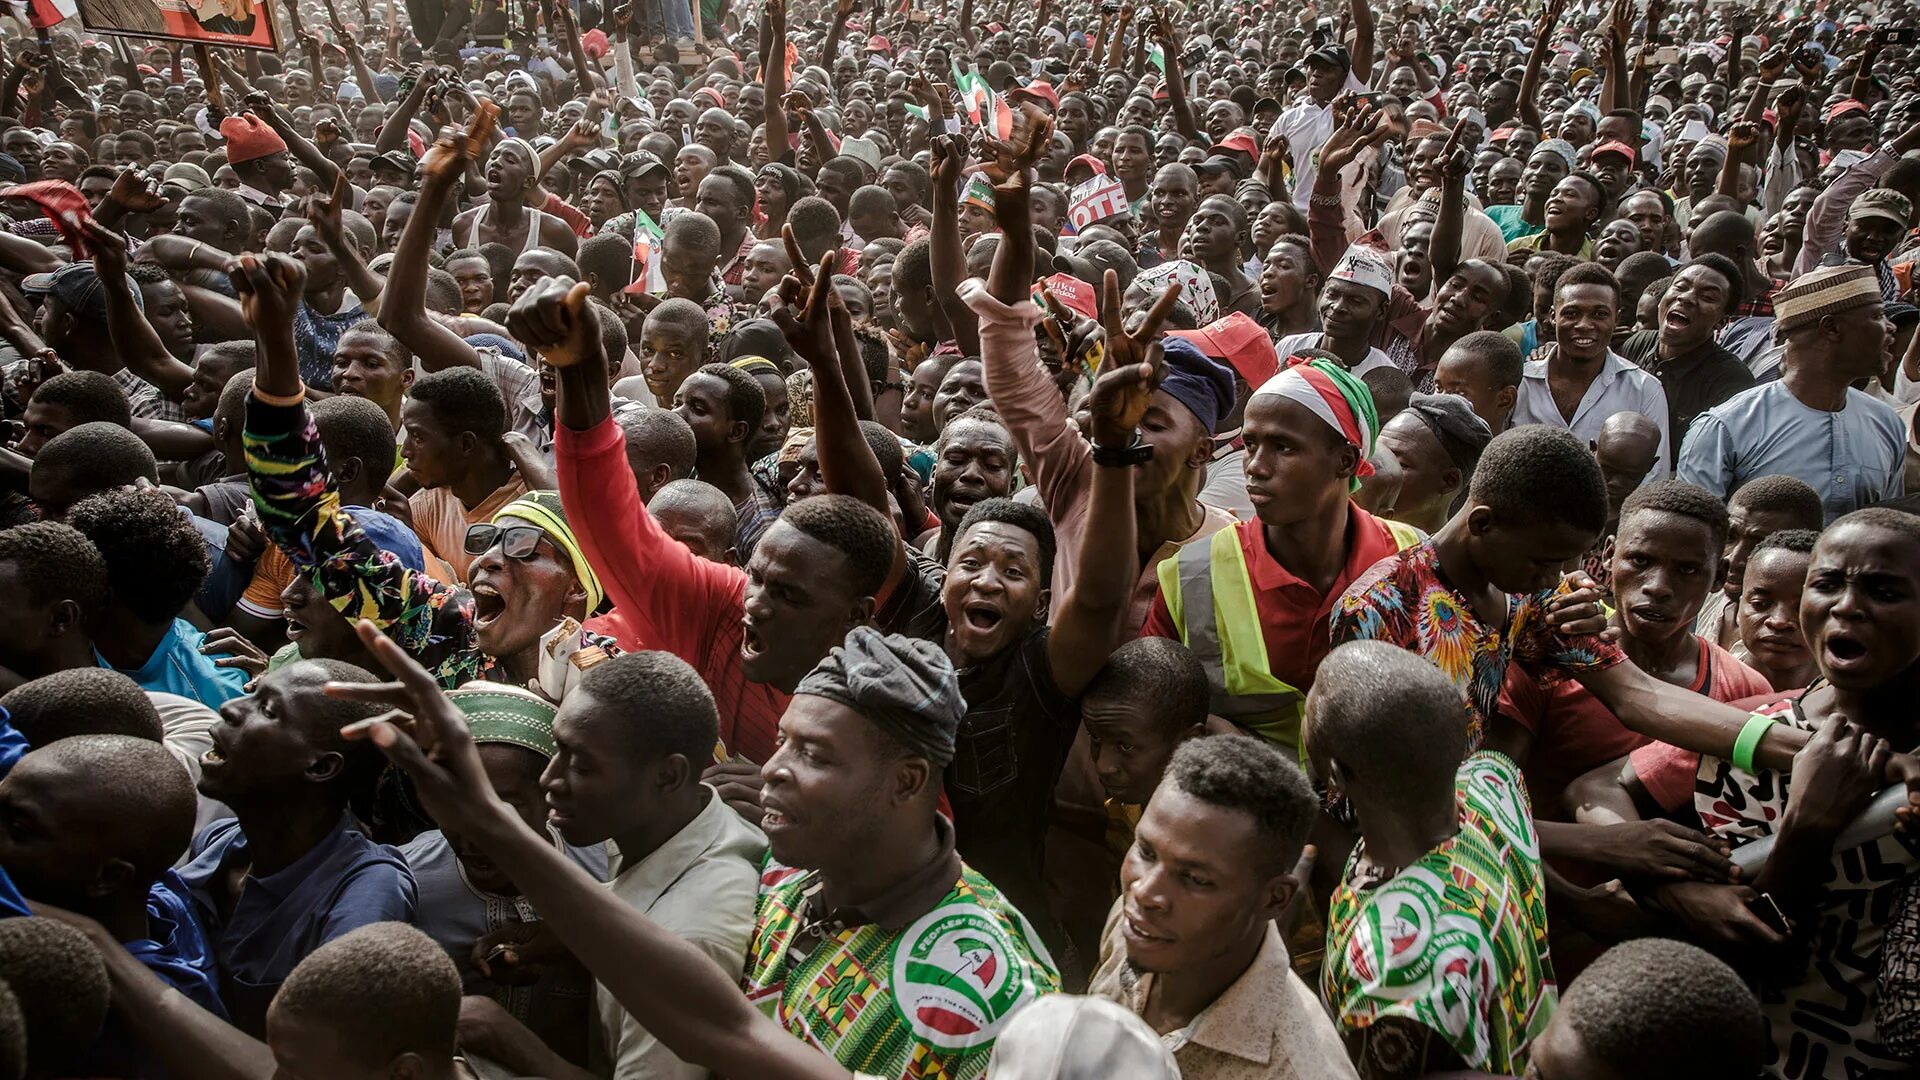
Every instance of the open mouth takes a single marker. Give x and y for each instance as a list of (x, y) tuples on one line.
[(749, 640), (295, 628), (1845, 649), (773, 817), (1141, 930), (488, 605), (1652, 614), (213, 756), (982, 617)]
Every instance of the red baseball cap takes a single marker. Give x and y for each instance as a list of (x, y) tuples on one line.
[(1240, 140), (1615, 146), (1039, 90), (1077, 295), (1239, 341)]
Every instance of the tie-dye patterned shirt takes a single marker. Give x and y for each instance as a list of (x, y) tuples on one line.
[(300, 511), (1405, 600)]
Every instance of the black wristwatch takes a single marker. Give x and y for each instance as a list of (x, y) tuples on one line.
[(1123, 457)]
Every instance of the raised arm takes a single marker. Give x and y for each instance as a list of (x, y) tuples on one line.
[(1088, 626), (299, 503), (323, 213), (1182, 107), (836, 26), (1861, 88), (403, 312), (1617, 83), (774, 74), (949, 262), (1743, 140), (1536, 60), (667, 984), (1444, 249), (1362, 12), (847, 463), (134, 339), (393, 131)]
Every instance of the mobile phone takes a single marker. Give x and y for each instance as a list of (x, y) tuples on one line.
[(1894, 35), (1768, 912)]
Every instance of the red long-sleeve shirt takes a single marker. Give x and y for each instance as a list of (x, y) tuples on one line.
[(664, 596)]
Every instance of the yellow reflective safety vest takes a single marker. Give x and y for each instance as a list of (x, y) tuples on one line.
[(1209, 594)]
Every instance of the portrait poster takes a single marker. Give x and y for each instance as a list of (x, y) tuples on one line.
[(241, 24)]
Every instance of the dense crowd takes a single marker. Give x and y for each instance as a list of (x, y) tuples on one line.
[(1217, 539)]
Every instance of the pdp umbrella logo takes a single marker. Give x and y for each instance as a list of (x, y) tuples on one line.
[(957, 977)]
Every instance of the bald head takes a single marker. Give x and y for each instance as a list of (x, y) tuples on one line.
[(1386, 726), (1724, 233), (698, 515), (1628, 432)]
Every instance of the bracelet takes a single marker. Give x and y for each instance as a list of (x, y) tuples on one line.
[(282, 400), (194, 250), (1748, 741)]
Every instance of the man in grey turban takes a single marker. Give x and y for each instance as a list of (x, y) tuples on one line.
[(1437, 440)]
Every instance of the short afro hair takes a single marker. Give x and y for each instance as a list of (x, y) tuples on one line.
[(353, 427), (1661, 1009), (1788, 496), (854, 529), (746, 402), (395, 349), (88, 396), (1586, 273), (886, 447), (1240, 772), (1881, 517), (681, 716), (60, 982), (1391, 719), (464, 399), (1505, 365), (54, 561), (1795, 540), (608, 259), (385, 989), (660, 435), (1160, 676), (1535, 473), (814, 220), (1021, 516), (1684, 499), (1723, 266), (692, 229), (913, 268), (81, 701), (443, 292), (95, 457), (155, 558)]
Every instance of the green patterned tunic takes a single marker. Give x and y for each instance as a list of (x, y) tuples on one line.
[(925, 1002), (1458, 940)]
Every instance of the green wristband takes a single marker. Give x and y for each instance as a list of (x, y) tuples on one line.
[(1749, 740)]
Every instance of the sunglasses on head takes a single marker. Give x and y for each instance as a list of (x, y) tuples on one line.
[(516, 541)]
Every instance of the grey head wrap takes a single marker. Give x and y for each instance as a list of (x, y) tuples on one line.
[(1461, 432), (905, 685)]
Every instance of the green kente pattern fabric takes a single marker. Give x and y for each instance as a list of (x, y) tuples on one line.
[(1458, 940), (925, 1003)]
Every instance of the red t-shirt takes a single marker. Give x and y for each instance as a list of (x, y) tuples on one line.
[(664, 596), (1574, 733), (1669, 774), (1294, 616)]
